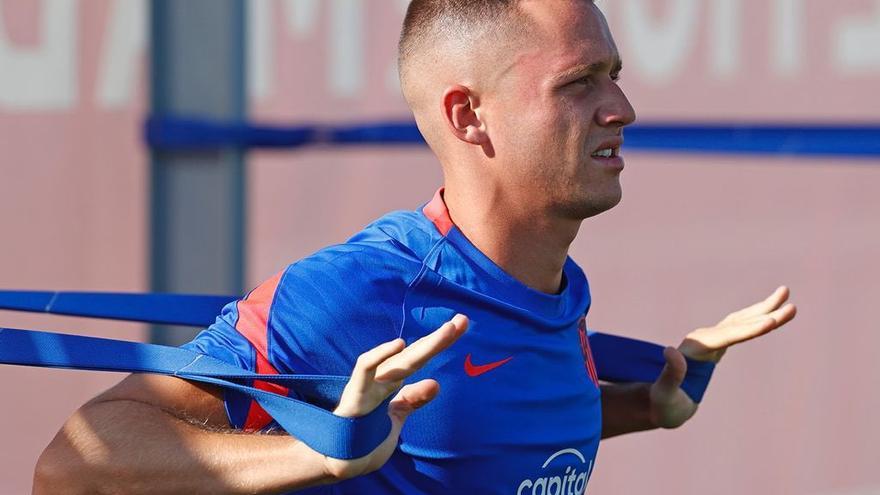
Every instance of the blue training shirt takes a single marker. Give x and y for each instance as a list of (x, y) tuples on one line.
[(519, 406)]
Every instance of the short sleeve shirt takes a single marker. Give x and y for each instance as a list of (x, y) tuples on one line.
[(519, 406)]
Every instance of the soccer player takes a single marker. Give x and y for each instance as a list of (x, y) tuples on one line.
[(519, 101)]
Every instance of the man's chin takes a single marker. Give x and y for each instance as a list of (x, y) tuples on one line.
[(597, 204), (592, 207), (605, 207)]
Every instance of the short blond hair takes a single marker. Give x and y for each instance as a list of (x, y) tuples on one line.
[(427, 21)]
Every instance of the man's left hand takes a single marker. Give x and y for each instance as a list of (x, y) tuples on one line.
[(670, 407)]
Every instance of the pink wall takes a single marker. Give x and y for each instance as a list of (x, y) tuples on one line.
[(72, 194), (695, 237), (699, 236)]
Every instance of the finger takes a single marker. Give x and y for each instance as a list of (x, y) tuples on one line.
[(673, 373), (443, 336), (755, 327), (784, 314), (367, 363), (412, 397), (773, 302), (421, 351), (761, 325)]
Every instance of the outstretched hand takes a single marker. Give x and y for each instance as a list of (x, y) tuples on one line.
[(670, 406), (379, 373), (710, 344)]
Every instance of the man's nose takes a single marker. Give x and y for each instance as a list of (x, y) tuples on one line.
[(616, 111)]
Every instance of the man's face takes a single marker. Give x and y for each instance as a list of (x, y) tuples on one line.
[(555, 110)]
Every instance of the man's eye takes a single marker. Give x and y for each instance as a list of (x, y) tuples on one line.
[(588, 80)]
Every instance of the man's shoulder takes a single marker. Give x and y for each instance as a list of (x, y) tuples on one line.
[(406, 233), (346, 298), (390, 249)]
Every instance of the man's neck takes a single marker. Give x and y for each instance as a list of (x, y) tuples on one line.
[(525, 244)]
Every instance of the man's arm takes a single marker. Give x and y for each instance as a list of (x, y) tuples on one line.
[(134, 439), (156, 434), (632, 407), (625, 409), (628, 408)]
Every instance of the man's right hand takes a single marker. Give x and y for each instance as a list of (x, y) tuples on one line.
[(379, 373), (148, 424)]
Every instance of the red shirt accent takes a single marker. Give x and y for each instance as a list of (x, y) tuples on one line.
[(253, 324), (437, 213), (473, 370), (589, 364)]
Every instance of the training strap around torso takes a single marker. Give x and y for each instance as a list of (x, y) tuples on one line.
[(622, 359), (309, 421), (196, 310), (618, 359)]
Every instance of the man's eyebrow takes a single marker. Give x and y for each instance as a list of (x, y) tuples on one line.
[(613, 65)]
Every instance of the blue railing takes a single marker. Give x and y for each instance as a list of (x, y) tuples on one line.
[(844, 140)]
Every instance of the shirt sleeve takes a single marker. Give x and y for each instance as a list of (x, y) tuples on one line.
[(239, 337), (315, 317)]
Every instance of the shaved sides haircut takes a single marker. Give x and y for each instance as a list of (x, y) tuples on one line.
[(427, 19), (430, 22), (437, 29)]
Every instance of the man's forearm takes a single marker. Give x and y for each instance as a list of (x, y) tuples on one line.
[(132, 447), (626, 408)]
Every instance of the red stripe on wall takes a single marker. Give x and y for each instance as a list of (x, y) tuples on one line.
[(253, 324)]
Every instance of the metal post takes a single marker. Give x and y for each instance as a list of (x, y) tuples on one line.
[(197, 66)]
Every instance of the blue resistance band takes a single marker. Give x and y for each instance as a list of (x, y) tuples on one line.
[(622, 359), (618, 359), (170, 309), (311, 422)]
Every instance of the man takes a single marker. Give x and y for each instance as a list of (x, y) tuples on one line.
[(519, 101)]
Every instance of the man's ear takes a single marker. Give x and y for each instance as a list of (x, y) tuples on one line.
[(461, 113)]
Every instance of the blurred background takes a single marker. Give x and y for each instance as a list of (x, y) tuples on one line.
[(86, 205)]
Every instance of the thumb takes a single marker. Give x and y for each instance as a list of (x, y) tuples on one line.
[(410, 398), (673, 373)]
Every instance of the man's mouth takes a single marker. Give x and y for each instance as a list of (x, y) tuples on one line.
[(607, 153)]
